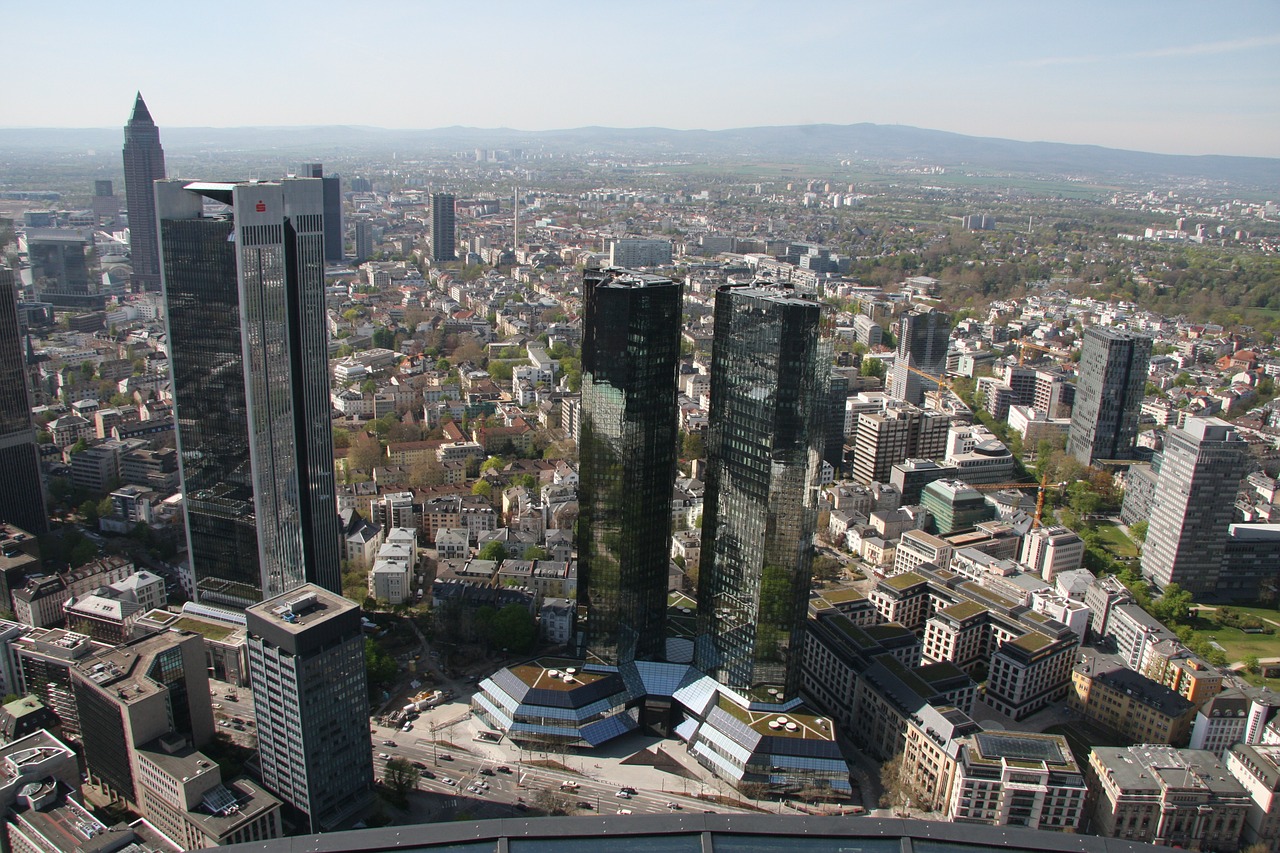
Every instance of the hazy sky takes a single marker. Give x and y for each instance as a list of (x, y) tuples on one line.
[(1169, 76)]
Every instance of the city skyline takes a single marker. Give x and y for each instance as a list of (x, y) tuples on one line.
[(1176, 81)]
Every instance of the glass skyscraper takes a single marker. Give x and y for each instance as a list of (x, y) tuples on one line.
[(770, 385), (444, 228), (923, 338), (1112, 381), (627, 453), (143, 166), (22, 498), (244, 294)]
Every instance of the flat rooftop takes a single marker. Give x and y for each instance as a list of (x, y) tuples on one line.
[(569, 674), (781, 724)]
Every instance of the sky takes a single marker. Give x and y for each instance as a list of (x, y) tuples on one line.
[(1170, 76)]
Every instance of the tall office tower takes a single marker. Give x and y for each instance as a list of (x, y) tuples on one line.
[(134, 694), (630, 354), (332, 210), (770, 369), (143, 166), (22, 498), (1113, 377), (244, 292), (444, 228), (310, 694), (922, 343), (833, 451), (1194, 505), (106, 208), (363, 240)]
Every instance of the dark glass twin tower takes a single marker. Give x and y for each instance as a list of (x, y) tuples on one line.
[(769, 396), (244, 295)]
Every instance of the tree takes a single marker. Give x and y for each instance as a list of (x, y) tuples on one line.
[(341, 438), (427, 471), (369, 386), (535, 552), (694, 446), (384, 338), (401, 777), (493, 463), (483, 488), (895, 792), (1174, 606), (382, 667), (89, 510), (493, 550), (514, 629), (1252, 665), (365, 452), (825, 568), (1138, 530)]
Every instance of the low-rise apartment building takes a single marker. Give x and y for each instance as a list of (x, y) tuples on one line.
[(1017, 779), (1127, 703)]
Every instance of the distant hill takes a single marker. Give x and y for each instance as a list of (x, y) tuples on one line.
[(819, 143)]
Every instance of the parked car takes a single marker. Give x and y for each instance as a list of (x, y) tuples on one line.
[(583, 804)]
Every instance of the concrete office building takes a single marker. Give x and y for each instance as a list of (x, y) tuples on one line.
[(1193, 506), (310, 692)]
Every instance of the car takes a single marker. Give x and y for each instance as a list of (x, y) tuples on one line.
[(473, 789), (674, 806), (426, 774), (630, 790), (384, 756), (444, 756), (449, 781), (482, 784), (569, 786), (217, 706), (407, 727), (502, 768), (388, 743), (485, 771), (623, 795), (418, 765), (624, 811), (224, 723), (583, 804)]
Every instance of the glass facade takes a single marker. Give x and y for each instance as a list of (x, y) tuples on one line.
[(1112, 381), (770, 374), (245, 307), (630, 352), (22, 498)]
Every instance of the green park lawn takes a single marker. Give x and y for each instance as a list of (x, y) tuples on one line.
[(1114, 540), (1237, 643)]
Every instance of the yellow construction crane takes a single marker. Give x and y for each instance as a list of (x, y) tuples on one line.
[(1024, 345), (1040, 488)]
